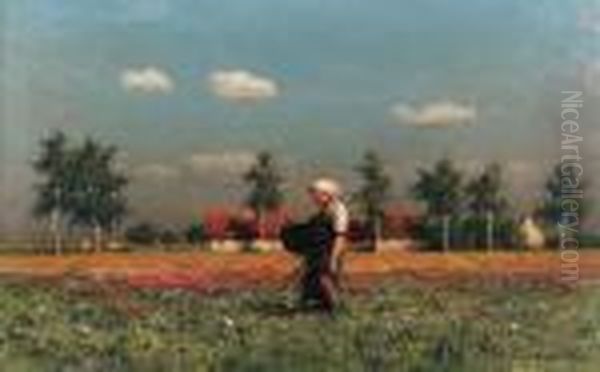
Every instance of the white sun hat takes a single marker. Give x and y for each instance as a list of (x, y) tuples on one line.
[(327, 186)]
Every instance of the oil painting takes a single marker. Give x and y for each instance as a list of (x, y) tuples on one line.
[(299, 185)]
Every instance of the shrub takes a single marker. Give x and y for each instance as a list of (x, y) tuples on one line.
[(195, 233), (143, 233)]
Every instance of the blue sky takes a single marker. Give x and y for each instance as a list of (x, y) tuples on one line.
[(190, 89)]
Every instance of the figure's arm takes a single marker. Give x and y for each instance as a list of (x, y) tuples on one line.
[(339, 247), (341, 222)]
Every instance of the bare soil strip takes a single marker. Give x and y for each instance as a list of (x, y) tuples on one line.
[(215, 272)]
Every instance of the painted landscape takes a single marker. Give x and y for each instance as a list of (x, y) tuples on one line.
[(155, 153)]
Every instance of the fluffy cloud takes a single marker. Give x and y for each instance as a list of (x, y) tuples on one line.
[(156, 172), (589, 20), (230, 162), (198, 163), (147, 80), (434, 115), (240, 85)]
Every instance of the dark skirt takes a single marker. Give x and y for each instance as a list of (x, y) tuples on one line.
[(313, 241), (314, 291)]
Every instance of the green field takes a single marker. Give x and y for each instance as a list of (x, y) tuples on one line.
[(79, 326)]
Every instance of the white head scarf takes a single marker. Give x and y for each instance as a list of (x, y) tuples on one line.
[(327, 186)]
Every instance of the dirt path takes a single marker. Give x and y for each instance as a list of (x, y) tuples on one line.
[(210, 271)]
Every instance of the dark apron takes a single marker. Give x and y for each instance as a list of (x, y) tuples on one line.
[(313, 240)]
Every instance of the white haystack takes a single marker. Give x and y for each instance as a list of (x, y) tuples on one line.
[(533, 236)]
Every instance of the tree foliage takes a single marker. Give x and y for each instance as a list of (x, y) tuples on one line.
[(560, 184), (265, 181), (374, 191), (557, 183), (440, 190), (52, 166), (486, 205), (195, 233), (79, 181), (484, 193), (550, 209)]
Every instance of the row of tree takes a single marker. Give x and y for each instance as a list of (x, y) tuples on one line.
[(81, 187), (459, 209)]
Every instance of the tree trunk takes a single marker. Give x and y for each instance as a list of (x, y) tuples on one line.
[(56, 232), (446, 232), (97, 237), (489, 216), (56, 217), (261, 224), (376, 233)]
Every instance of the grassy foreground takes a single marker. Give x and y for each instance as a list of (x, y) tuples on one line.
[(83, 326)]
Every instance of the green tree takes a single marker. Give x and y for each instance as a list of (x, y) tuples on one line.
[(440, 190), (373, 193), (81, 183), (195, 233), (560, 182), (97, 199), (265, 182), (50, 192), (486, 202)]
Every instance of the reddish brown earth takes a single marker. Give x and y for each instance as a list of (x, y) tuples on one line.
[(215, 272)]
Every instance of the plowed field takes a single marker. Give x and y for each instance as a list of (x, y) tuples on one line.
[(215, 272)]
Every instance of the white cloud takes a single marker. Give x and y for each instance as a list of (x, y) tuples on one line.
[(589, 20), (241, 85), (230, 162), (216, 163), (156, 172), (434, 115), (147, 80)]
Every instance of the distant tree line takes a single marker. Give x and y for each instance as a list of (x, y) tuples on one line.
[(81, 188)]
